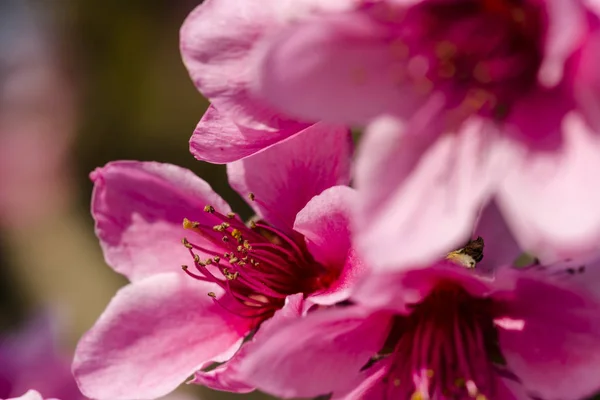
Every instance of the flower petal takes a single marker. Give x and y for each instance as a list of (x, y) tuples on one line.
[(153, 335), (325, 224), (338, 67), (31, 395), (317, 354), (218, 139), (557, 353), (420, 192), (370, 385), (500, 247), (550, 198), (218, 41), (139, 209), (225, 377), (285, 177)]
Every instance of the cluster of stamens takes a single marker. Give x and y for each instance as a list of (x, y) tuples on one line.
[(257, 265)]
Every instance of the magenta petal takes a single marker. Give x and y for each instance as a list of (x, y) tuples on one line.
[(153, 335), (286, 176), (500, 247), (370, 385), (420, 192), (550, 199), (218, 139), (557, 353), (226, 376), (315, 355), (139, 209), (336, 68), (30, 395), (218, 41), (325, 224)]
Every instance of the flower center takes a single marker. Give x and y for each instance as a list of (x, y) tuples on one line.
[(482, 54), (444, 348), (258, 265)]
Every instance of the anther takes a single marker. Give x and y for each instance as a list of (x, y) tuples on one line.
[(251, 196), (187, 244), (216, 259), (209, 209), (225, 239), (187, 224), (230, 215), (212, 294)]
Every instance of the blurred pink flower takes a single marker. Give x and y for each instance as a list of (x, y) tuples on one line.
[(30, 358), (443, 332), (30, 395), (218, 41), (166, 324), (515, 84)]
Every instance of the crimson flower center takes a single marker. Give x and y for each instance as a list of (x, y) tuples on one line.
[(444, 348), (482, 54), (258, 266)]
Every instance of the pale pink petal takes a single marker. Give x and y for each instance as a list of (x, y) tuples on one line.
[(217, 44), (423, 190), (325, 224), (286, 176), (586, 79), (500, 247), (550, 198), (139, 209), (225, 377), (370, 384), (398, 291), (564, 33), (153, 335), (557, 353), (317, 354), (340, 68), (218, 139), (30, 395)]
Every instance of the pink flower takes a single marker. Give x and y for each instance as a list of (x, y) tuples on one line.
[(30, 395), (443, 332), (218, 43), (168, 324), (29, 358), (463, 100)]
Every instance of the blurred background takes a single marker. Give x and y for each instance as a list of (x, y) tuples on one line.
[(82, 82)]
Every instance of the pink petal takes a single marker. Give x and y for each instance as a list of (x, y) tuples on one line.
[(340, 68), (325, 224), (586, 79), (398, 291), (218, 139), (420, 192), (226, 376), (550, 199), (218, 41), (564, 33), (153, 335), (139, 209), (370, 385), (500, 247), (285, 177), (317, 354), (557, 353), (30, 395)]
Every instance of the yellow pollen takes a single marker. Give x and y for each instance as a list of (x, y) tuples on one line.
[(208, 261), (212, 294), (246, 245), (187, 224), (218, 228), (417, 396), (236, 234), (196, 258), (251, 196), (209, 209), (217, 259), (233, 260), (187, 244), (230, 215), (252, 225)]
